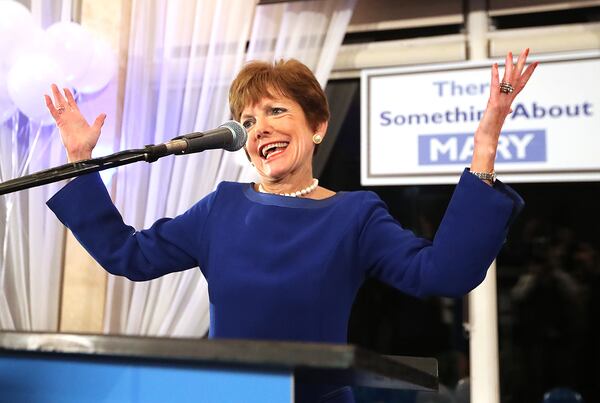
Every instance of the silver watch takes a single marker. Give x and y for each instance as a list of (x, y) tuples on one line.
[(486, 176)]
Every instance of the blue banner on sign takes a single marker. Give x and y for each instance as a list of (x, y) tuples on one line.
[(513, 146)]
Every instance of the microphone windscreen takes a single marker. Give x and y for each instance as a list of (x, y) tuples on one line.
[(239, 135)]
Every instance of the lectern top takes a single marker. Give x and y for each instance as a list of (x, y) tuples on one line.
[(340, 363)]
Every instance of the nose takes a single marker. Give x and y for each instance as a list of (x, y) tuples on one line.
[(261, 127)]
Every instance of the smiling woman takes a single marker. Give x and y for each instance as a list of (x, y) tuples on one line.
[(296, 253), (285, 112)]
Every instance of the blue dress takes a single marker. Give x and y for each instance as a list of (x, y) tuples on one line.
[(284, 268)]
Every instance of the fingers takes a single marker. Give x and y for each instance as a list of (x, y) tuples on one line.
[(514, 73), (495, 81), (99, 122), (508, 67), (71, 99), (60, 103), (51, 107), (526, 75), (521, 61), (59, 100)]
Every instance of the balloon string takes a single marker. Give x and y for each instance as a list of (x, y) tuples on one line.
[(32, 147), (9, 199), (16, 128)]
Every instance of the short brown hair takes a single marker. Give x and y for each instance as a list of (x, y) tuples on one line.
[(289, 78)]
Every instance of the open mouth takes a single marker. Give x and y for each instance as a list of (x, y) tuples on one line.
[(269, 150)]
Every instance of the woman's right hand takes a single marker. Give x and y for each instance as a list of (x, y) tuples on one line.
[(78, 137)]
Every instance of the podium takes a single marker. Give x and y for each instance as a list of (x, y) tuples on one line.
[(60, 367)]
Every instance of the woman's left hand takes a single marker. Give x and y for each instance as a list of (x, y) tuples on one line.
[(515, 77), (498, 108)]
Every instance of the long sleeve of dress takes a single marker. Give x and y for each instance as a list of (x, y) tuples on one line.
[(171, 244), (468, 239)]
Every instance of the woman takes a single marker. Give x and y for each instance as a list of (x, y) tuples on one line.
[(295, 253)]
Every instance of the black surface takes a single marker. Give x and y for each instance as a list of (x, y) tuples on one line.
[(339, 363)]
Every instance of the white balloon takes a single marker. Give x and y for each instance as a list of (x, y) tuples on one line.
[(16, 29), (29, 79), (72, 47), (34, 42), (101, 70), (7, 108)]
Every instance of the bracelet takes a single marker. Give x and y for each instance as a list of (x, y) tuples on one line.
[(486, 176)]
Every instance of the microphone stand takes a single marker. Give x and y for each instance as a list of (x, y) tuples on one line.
[(149, 154)]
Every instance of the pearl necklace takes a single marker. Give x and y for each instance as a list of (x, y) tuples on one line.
[(302, 192)]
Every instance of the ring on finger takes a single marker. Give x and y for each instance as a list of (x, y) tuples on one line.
[(506, 87), (61, 109)]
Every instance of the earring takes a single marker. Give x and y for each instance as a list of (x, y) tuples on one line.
[(316, 138)]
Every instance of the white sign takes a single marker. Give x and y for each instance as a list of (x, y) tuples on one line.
[(418, 123)]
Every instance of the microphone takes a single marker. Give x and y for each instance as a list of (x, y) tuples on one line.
[(230, 136)]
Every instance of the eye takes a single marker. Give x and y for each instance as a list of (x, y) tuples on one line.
[(248, 123), (277, 110)]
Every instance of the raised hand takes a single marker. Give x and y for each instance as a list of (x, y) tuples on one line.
[(501, 95), (498, 108), (78, 137)]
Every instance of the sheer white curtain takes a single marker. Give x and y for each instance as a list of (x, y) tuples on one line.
[(310, 31), (183, 55), (31, 239)]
